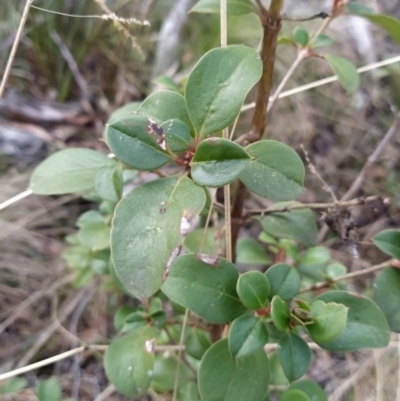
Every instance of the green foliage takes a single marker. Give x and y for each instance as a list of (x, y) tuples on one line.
[(313, 390), (235, 7), (280, 313), (253, 288), (388, 241), (345, 71), (284, 280), (48, 390)]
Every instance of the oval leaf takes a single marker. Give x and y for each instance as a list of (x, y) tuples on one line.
[(68, 171), (298, 225), (294, 356), (280, 313), (247, 335), (284, 280), (329, 321), (197, 343), (165, 105), (206, 285), (275, 171), (253, 288), (251, 252), (149, 226), (177, 135), (132, 141), (218, 85), (345, 71), (234, 7), (388, 241), (109, 183), (224, 378), (218, 162), (129, 364), (387, 296), (49, 390), (294, 395), (366, 326), (313, 390), (301, 36), (95, 236)]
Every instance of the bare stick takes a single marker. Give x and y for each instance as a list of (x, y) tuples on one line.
[(16, 199), (15, 47), (320, 206), (105, 393), (372, 269), (373, 159)]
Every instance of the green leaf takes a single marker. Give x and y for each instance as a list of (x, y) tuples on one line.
[(286, 41), (309, 387), (189, 392), (134, 321), (206, 285), (234, 7), (329, 321), (197, 343), (194, 239), (322, 41), (68, 171), (345, 71), (284, 280), (132, 141), (13, 385), (77, 257), (366, 325), (247, 334), (335, 269), (95, 236), (166, 83), (128, 362), (280, 313), (275, 171), (313, 262), (298, 225), (164, 370), (301, 36), (177, 135), (48, 390), (388, 241), (387, 296), (224, 378), (122, 313), (91, 216), (294, 356), (109, 183), (390, 24), (251, 252), (149, 227), (218, 162), (218, 85), (294, 395), (165, 105), (124, 111), (253, 288)]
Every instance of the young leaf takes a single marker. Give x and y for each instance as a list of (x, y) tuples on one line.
[(95, 236), (275, 171), (329, 321), (121, 314), (298, 225), (247, 334), (13, 385), (177, 135), (218, 162), (251, 252), (165, 105), (149, 226), (194, 240), (48, 390), (345, 71), (206, 285), (125, 111), (109, 183), (322, 41), (284, 280), (253, 288), (387, 296), (366, 325), (388, 241), (130, 140), (280, 313), (234, 7), (68, 171), (128, 362), (197, 343), (309, 387), (218, 85), (301, 36), (294, 356), (224, 378)]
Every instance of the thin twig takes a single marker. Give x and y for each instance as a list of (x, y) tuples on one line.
[(178, 365), (372, 159), (321, 15), (357, 273), (15, 47), (105, 393), (16, 199), (319, 206)]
